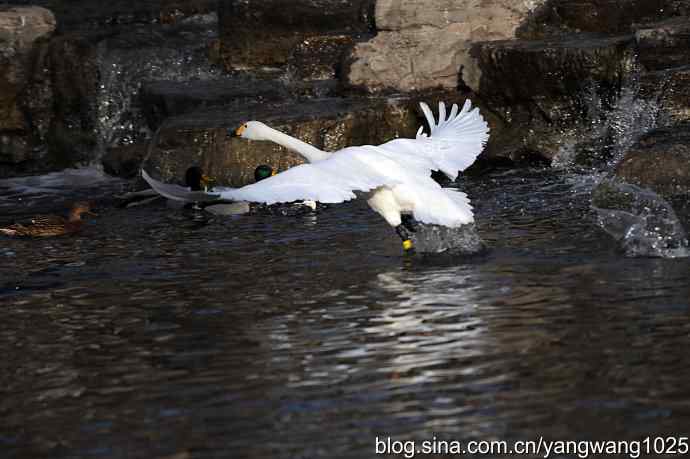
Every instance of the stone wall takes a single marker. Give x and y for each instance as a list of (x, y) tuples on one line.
[(425, 44), (21, 28)]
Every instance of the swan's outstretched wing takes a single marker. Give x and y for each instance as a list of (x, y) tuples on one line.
[(332, 180), (455, 141), (176, 192)]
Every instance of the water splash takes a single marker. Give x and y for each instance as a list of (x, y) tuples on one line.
[(437, 239), (611, 126), (642, 222), (173, 53)]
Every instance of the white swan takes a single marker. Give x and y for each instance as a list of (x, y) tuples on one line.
[(395, 175)]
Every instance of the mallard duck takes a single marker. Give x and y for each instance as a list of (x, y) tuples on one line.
[(199, 199), (195, 180), (263, 172), (51, 225)]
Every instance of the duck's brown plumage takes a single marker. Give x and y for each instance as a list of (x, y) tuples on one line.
[(51, 225)]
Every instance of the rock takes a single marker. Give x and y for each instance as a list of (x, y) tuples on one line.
[(81, 15), (423, 45), (551, 92), (21, 28), (669, 90), (164, 99), (613, 17), (82, 97), (319, 58), (201, 138), (256, 33), (641, 221), (124, 161), (660, 161), (664, 44)]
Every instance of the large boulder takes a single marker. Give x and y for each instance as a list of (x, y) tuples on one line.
[(423, 45), (201, 138), (21, 29), (660, 161)]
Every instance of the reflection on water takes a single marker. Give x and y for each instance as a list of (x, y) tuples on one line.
[(158, 333)]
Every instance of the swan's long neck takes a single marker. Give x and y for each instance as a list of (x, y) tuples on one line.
[(310, 153)]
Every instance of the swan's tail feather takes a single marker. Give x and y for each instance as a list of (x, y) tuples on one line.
[(176, 192), (457, 139)]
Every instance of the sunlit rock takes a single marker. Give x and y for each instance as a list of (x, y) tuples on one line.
[(425, 44)]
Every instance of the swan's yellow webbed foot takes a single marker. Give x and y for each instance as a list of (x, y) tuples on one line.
[(407, 245)]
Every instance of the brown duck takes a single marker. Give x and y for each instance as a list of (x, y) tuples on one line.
[(51, 225)]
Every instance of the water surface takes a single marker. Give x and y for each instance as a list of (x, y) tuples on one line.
[(160, 332)]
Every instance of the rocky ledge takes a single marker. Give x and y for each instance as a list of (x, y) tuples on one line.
[(201, 137)]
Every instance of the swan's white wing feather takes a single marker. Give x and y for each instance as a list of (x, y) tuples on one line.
[(331, 180), (176, 192), (455, 141), (443, 206)]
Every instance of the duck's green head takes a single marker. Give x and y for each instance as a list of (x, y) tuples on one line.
[(196, 180), (262, 172)]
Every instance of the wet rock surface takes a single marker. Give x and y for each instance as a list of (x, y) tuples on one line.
[(22, 29), (583, 80), (124, 161), (550, 91), (201, 137), (600, 16), (660, 161), (664, 44), (84, 85), (256, 33)]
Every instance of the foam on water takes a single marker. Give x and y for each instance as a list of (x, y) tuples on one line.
[(464, 240)]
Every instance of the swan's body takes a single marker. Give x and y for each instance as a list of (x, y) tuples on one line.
[(396, 176)]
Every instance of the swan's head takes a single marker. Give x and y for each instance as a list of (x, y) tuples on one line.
[(252, 130)]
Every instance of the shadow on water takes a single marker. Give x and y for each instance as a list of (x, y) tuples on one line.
[(156, 332)]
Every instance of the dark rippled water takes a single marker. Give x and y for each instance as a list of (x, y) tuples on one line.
[(158, 333)]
